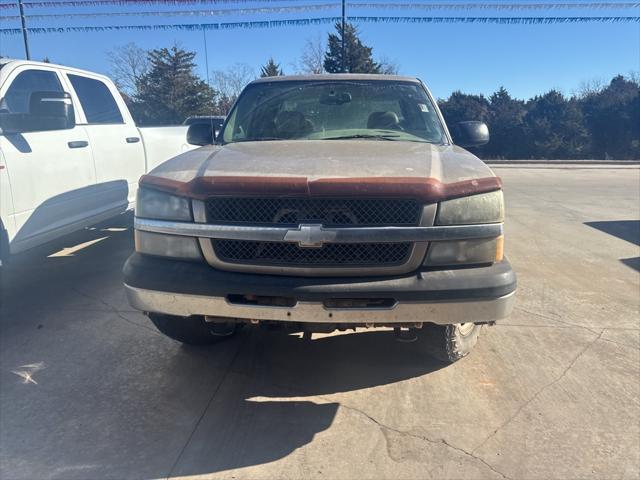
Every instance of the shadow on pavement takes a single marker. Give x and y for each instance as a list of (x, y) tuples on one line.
[(130, 403), (632, 263), (260, 415), (84, 258), (628, 230)]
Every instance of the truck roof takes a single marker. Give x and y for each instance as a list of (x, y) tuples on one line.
[(337, 76), (18, 62)]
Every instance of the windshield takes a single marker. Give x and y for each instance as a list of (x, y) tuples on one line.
[(328, 110)]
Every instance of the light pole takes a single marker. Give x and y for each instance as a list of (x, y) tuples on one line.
[(344, 60), (24, 30)]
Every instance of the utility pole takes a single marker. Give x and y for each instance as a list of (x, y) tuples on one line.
[(24, 30), (344, 59)]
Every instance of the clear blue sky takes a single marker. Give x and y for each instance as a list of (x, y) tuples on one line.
[(475, 58)]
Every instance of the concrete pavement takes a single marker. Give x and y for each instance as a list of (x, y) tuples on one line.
[(90, 390)]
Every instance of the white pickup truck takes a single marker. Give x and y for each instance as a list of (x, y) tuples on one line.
[(70, 153)]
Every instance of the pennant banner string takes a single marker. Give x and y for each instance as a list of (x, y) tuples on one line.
[(126, 3), (406, 5), (325, 20), (495, 6), (494, 20), (183, 13)]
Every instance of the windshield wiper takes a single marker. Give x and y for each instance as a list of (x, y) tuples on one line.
[(260, 139), (386, 136)]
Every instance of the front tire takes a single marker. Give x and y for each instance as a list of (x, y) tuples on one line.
[(449, 343), (192, 330)]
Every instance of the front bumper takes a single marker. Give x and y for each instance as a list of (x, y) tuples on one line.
[(479, 294)]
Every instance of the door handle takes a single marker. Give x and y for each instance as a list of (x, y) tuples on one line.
[(78, 144), (133, 139)]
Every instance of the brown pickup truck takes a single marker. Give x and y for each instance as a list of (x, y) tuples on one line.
[(326, 202)]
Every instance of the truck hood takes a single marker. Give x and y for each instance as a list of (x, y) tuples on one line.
[(276, 164)]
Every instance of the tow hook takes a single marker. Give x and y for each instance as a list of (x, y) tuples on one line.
[(406, 335), (221, 329)]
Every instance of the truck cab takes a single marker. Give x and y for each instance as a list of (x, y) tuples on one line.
[(70, 152)]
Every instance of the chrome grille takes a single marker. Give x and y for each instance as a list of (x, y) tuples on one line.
[(333, 212), (330, 255)]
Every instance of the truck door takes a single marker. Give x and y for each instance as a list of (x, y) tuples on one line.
[(117, 148), (51, 173)]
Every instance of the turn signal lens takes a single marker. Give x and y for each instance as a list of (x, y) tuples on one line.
[(499, 248), (172, 246), (464, 252)]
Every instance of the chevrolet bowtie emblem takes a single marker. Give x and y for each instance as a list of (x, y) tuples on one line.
[(310, 236)]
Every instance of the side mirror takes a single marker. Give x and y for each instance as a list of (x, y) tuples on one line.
[(47, 111), (470, 134), (200, 134)]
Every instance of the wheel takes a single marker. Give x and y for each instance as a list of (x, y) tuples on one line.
[(449, 343), (193, 330)]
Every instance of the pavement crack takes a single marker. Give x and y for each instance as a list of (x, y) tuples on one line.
[(568, 325), (439, 441), (540, 391), (556, 319), (537, 314), (382, 427), (624, 345)]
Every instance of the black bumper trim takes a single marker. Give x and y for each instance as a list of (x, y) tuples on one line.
[(166, 275)]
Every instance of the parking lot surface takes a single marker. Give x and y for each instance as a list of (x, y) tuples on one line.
[(90, 390)]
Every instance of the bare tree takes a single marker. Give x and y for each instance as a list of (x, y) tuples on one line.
[(312, 56), (589, 87), (230, 82), (128, 63), (388, 66)]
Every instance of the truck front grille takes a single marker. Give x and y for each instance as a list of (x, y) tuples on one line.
[(330, 255), (330, 212)]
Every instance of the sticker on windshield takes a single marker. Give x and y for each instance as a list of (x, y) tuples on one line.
[(423, 108)]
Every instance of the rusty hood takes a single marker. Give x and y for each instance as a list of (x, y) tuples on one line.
[(325, 167)]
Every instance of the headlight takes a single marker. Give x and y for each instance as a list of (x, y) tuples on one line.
[(471, 210), (483, 208), (161, 206), (156, 205)]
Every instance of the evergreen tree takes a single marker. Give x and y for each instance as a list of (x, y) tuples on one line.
[(358, 57), (271, 69), (554, 127), (171, 91), (612, 116), (600, 123), (462, 107), (506, 126)]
